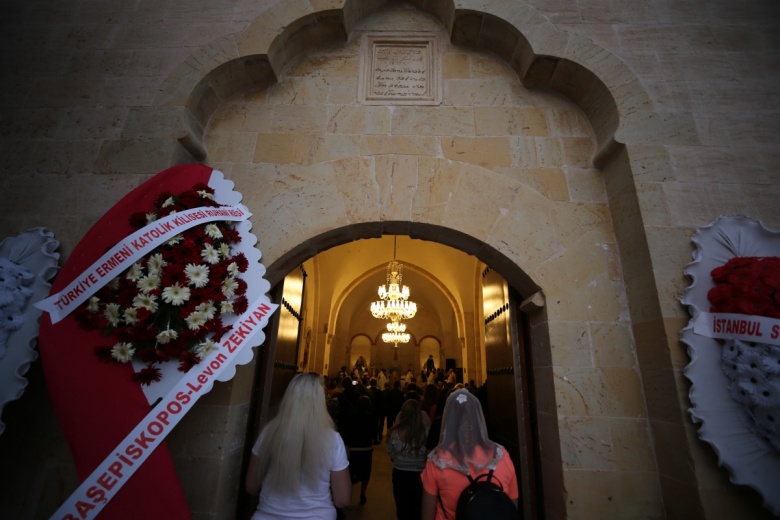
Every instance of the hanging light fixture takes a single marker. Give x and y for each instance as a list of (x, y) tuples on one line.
[(394, 303), (396, 333)]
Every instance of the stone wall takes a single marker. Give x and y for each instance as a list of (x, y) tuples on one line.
[(576, 149)]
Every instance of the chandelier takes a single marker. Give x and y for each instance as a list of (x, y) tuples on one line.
[(396, 333), (394, 303)]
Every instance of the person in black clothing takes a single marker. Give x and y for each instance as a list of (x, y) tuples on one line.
[(378, 401), (430, 366), (394, 400), (435, 430), (358, 432)]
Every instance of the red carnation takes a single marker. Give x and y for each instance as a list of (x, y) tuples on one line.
[(174, 274), (148, 375), (174, 349), (219, 333), (187, 360), (126, 295), (755, 306), (161, 198), (240, 305), (770, 274), (218, 272), (142, 314), (241, 262), (214, 324), (190, 199)]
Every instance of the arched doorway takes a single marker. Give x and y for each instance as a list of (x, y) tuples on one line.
[(499, 344)]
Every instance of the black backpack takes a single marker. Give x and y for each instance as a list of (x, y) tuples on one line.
[(485, 499)]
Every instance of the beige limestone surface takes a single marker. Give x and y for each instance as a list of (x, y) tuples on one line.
[(582, 144)]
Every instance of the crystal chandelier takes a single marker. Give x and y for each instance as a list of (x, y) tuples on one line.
[(394, 303), (396, 333)]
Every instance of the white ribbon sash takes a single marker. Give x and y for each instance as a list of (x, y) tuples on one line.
[(129, 250), (106, 480), (737, 326)]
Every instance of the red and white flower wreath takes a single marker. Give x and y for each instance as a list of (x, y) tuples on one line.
[(170, 305)]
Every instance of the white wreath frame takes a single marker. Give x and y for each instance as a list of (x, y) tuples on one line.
[(724, 424), (35, 250)]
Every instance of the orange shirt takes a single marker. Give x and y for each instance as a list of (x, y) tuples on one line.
[(448, 483)]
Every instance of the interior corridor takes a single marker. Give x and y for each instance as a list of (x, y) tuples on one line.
[(379, 494)]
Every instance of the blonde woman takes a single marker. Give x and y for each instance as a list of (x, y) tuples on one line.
[(299, 462)]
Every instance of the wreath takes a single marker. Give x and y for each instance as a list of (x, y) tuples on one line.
[(170, 304), (751, 285)]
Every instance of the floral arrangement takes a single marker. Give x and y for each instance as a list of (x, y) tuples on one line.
[(751, 285), (747, 285), (169, 305)]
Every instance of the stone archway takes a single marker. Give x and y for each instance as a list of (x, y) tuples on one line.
[(629, 136), (547, 469)]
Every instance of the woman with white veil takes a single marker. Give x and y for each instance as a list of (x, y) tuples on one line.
[(464, 449)]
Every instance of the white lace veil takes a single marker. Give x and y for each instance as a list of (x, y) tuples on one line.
[(464, 442)]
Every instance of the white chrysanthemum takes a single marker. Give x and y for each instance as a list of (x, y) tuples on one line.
[(111, 313), (168, 202), (226, 307), (150, 217), (134, 273), (213, 231), (205, 348), (195, 320), (229, 287), (209, 254), (155, 264), (206, 195), (232, 269), (165, 336), (113, 284), (208, 309), (130, 316), (122, 352), (197, 274), (176, 294), (149, 283), (175, 240), (94, 304), (771, 360), (224, 250), (146, 301)]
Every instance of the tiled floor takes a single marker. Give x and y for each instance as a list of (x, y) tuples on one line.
[(379, 494)]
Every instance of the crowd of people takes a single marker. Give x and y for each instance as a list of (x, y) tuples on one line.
[(423, 418)]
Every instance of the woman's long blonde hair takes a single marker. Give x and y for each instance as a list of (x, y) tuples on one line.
[(295, 443)]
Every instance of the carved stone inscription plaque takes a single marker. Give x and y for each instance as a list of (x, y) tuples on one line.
[(400, 69)]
